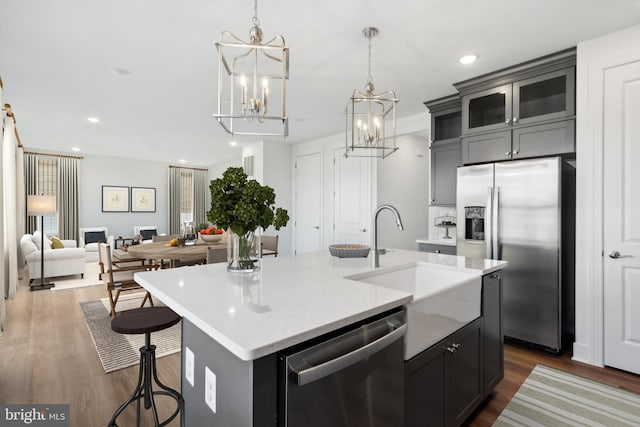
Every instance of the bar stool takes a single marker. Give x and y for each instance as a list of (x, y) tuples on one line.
[(145, 321)]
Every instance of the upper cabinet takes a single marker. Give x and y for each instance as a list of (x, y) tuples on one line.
[(524, 111), (445, 149)]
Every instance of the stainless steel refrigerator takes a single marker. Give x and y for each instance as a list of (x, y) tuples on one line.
[(524, 212)]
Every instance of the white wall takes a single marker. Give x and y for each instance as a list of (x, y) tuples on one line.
[(96, 171), (276, 173), (403, 181)]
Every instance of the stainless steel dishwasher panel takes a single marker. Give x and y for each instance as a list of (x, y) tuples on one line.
[(355, 379)]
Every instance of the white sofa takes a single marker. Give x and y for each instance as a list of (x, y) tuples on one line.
[(57, 262), (89, 238)]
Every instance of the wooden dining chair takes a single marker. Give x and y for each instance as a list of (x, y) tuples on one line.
[(119, 279), (269, 245), (215, 255)]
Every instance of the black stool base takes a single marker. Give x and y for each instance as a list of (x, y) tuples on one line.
[(145, 391)]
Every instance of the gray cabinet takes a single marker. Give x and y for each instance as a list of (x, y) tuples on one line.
[(445, 159), (523, 111), (447, 382), (445, 149), (520, 143), (443, 385), (438, 249), (492, 335)]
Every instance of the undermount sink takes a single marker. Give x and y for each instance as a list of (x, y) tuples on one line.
[(444, 300)]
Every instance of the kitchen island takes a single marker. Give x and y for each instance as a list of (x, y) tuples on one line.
[(235, 326)]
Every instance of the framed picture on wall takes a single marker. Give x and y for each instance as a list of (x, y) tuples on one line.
[(115, 198), (143, 199)]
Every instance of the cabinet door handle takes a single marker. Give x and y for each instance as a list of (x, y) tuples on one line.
[(515, 119), (433, 200), (437, 251), (364, 230), (508, 153), (515, 151), (453, 347), (507, 121)]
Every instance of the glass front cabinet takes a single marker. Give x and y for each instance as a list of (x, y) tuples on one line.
[(512, 101)]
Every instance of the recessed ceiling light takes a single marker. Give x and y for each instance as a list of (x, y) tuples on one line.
[(233, 143), (120, 71), (75, 148), (183, 161), (93, 119), (468, 59)]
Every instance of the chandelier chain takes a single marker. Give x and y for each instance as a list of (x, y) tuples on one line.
[(255, 20), (369, 78)]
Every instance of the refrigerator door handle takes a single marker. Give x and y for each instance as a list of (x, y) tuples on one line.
[(495, 219), (488, 224)]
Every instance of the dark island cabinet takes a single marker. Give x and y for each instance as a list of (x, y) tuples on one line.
[(492, 335), (447, 382)]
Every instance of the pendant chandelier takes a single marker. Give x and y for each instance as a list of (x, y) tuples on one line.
[(252, 83), (371, 118)]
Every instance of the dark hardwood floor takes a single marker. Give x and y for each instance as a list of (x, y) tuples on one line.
[(47, 357)]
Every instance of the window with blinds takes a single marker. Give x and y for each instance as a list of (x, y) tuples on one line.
[(186, 196), (47, 184)]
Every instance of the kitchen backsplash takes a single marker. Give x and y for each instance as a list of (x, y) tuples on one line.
[(436, 233)]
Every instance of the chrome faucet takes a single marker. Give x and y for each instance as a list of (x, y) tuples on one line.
[(376, 253)]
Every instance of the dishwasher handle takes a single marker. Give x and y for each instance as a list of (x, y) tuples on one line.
[(325, 369)]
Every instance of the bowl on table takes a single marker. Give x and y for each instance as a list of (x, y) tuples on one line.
[(211, 238), (349, 251)]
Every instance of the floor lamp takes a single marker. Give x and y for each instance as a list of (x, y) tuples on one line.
[(41, 205)]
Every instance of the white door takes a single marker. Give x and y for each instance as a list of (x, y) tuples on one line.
[(308, 181), (622, 217), (352, 199)]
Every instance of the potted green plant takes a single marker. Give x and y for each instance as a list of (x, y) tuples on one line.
[(242, 206)]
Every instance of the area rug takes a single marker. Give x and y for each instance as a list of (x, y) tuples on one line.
[(91, 271), (550, 397), (117, 351)]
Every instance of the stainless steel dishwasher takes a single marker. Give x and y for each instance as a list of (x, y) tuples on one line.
[(354, 379)]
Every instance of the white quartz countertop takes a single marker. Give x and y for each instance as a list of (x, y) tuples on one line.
[(292, 300)]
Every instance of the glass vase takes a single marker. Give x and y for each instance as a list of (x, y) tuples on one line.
[(242, 256)]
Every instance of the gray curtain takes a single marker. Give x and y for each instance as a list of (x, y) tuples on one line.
[(67, 194), (2, 221), (174, 200), (30, 188), (21, 203), (199, 196), (10, 220)]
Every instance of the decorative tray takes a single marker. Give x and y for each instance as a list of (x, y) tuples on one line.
[(349, 251)]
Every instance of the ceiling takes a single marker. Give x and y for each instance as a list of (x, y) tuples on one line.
[(57, 60)]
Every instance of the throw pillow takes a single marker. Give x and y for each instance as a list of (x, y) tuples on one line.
[(94, 237), (37, 237), (56, 243)]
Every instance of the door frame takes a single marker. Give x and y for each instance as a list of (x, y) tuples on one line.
[(295, 156), (595, 57)]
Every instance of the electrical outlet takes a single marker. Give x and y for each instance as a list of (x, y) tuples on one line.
[(210, 388), (189, 365)]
